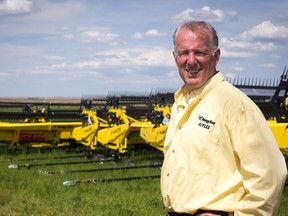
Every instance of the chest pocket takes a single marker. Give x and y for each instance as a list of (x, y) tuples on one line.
[(197, 149)]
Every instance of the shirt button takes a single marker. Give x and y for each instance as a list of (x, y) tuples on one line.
[(168, 174), (173, 151)]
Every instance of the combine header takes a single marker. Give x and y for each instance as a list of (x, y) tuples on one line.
[(119, 122)]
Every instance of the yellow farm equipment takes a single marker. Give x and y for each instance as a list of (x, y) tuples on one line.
[(279, 129), (120, 122), (121, 130), (115, 132), (37, 134)]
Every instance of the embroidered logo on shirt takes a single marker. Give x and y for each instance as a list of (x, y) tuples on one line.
[(205, 123)]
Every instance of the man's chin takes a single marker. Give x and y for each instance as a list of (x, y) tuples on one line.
[(192, 84)]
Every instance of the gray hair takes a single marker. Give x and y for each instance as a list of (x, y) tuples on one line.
[(199, 28)]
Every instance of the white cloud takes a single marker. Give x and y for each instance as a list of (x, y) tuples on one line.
[(266, 30), (14, 51), (241, 44), (59, 66), (141, 56), (154, 33), (123, 59), (4, 74), (91, 36), (236, 54), (205, 13), (137, 35), (57, 11), (154, 57), (86, 65), (268, 65), (238, 68), (14, 7), (68, 36)]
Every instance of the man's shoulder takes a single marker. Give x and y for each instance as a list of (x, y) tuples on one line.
[(233, 94)]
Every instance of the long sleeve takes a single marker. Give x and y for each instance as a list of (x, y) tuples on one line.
[(261, 164)]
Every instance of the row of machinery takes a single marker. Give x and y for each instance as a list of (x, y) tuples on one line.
[(109, 126), (121, 121)]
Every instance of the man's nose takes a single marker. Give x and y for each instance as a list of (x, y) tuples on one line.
[(191, 58)]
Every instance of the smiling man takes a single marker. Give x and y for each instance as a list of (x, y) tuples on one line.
[(220, 155)]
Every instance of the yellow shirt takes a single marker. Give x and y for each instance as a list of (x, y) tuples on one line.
[(220, 154)]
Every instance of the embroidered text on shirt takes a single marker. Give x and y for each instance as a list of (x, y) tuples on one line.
[(205, 123)]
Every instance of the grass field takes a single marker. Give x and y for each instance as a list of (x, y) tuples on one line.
[(25, 192)]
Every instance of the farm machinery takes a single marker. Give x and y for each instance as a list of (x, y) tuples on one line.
[(94, 124), (120, 130), (120, 122)]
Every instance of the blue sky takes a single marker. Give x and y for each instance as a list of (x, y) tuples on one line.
[(73, 48)]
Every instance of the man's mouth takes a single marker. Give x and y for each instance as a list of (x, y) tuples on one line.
[(192, 71)]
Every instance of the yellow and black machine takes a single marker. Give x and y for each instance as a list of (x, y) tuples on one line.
[(121, 122), (106, 124), (279, 122), (117, 130), (35, 127)]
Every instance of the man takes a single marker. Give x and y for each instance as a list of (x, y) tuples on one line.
[(220, 156)]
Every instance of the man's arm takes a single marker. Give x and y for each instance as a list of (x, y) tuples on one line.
[(262, 165)]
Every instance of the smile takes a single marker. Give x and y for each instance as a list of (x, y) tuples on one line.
[(192, 71)]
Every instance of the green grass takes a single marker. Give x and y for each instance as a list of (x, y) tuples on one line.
[(25, 192)]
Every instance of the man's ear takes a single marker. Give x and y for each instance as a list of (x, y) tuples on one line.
[(175, 58), (217, 55)]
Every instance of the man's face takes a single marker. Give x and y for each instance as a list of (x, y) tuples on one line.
[(195, 59)]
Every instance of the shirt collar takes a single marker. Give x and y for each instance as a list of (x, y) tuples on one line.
[(182, 92)]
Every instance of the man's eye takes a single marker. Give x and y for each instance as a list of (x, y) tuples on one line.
[(199, 53), (183, 53)]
